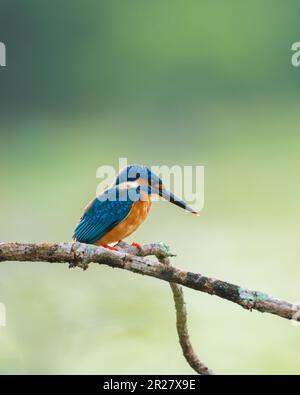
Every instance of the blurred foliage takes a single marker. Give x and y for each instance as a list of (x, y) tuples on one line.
[(92, 54), (160, 82)]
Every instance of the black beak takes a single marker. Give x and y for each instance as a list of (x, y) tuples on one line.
[(161, 191)]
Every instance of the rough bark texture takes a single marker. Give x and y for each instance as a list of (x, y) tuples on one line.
[(182, 328), (132, 259)]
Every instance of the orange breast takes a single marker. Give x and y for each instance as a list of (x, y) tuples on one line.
[(134, 219)]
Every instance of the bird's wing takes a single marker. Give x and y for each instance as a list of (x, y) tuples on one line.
[(101, 216)]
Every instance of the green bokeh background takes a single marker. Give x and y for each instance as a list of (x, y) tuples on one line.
[(161, 83)]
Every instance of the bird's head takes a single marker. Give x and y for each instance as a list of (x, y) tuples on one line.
[(150, 183)]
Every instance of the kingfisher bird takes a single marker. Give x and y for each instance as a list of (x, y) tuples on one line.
[(122, 208)]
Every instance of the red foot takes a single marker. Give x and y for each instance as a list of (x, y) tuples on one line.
[(109, 247), (137, 245)]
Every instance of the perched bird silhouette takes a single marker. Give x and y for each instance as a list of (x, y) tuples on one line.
[(120, 210)]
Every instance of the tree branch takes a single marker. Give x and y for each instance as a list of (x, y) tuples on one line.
[(81, 255), (133, 259), (182, 329), (161, 251)]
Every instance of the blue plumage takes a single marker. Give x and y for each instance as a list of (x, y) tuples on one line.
[(102, 215), (134, 183)]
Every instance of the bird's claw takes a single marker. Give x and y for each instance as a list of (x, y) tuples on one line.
[(109, 247), (137, 245)]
